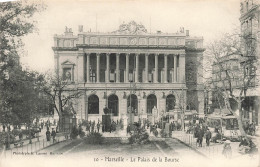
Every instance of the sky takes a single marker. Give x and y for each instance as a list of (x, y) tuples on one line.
[(206, 18)]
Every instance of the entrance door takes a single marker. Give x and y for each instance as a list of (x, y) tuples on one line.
[(151, 103), (113, 104), (106, 122), (132, 107)]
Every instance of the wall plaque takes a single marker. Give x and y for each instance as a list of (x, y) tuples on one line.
[(113, 41), (152, 41), (142, 41), (93, 40), (103, 41), (123, 41), (162, 41), (172, 41)]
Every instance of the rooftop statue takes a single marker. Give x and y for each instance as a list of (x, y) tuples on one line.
[(131, 28)]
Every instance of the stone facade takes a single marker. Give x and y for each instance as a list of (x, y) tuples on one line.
[(250, 27), (130, 67)]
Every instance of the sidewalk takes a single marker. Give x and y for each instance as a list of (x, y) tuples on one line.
[(214, 150), (37, 144)]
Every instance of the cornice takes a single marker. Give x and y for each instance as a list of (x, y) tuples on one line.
[(64, 48), (129, 47), (194, 49)]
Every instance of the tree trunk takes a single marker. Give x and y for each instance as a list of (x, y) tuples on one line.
[(239, 120)]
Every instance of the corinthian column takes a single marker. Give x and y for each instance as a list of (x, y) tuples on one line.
[(98, 67), (127, 67), (146, 67), (117, 68), (165, 68), (108, 69), (156, 68), (136, 67), (175, 68)]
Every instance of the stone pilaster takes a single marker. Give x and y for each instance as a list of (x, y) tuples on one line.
[(181, 73), (80, 67)]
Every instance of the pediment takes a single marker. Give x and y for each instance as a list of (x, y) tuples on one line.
[(67, 62)]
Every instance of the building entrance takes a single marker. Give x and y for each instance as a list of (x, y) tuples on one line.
[(113, 104), (132, 108)]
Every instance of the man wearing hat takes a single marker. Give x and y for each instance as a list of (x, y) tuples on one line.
[(53, 134)]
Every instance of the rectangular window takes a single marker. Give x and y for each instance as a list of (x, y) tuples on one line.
[(150, 77), (93, 76), (66, 74), (112, 76), (131, 77)]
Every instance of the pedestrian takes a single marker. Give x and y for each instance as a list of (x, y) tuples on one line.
[(98, 126), (243, 146), (89, 127), (208, 137), (111, 127), (53, 134), (48, 135), (200, 136), (20, 136), (92, 127), (103, 127), (128, 129), (227, 151)]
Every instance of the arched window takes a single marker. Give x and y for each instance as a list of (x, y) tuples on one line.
[(113, 104), (93, 104), (133, 102), (151, 102), (170, 102)]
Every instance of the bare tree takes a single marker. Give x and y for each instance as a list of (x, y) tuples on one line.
[(233, 84), (62, 92)]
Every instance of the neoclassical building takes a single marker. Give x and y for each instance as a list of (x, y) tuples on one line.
[(154, 73)]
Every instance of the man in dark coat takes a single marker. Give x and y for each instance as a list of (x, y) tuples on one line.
[(48, 135), (128, 129), (103, 128), (98, 126), (208, 136), (53, 134), (200, 136)]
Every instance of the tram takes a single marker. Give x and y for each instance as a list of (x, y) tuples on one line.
[(225, 125)]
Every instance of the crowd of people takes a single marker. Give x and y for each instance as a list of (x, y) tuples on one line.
[(92, 126), (249, 128)]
